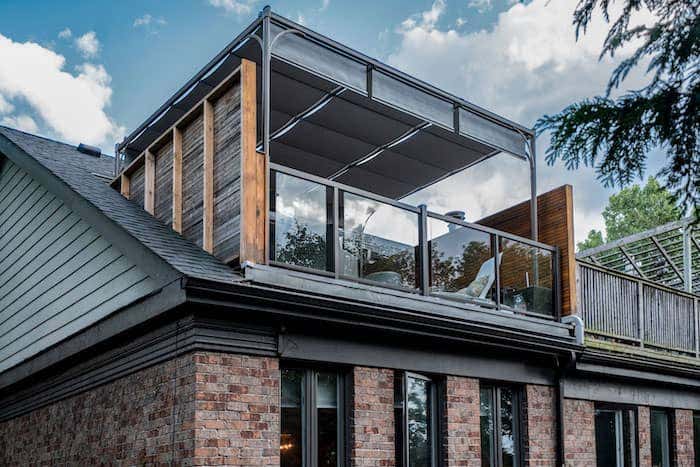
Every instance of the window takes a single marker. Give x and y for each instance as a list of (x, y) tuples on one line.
[(312, 418), (415, 410), (696, 437), (500, 426), (615, 436), (660, 438)]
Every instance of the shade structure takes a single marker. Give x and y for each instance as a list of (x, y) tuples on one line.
[(338, 114)]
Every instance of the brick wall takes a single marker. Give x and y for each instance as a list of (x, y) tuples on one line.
[(683, 436), (462, 436), (644, 436), (372, 417), (579, 435), (202, 408), (541, 426), (237, 415), (128, 421)]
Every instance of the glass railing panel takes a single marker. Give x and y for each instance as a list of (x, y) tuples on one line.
[(462, 263), (301, 222), (526, 277), (379, 242)]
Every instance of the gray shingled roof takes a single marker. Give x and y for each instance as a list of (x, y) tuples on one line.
[(76, 170)]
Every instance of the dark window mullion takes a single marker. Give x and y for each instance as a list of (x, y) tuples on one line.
[(311, 431)]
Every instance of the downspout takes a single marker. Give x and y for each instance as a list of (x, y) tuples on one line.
[(533, 189), (562, 370)]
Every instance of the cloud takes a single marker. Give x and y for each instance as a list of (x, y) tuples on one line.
[(88, 44), (480, 5), (148, 20), (71, 105), (5, 106), (527, 65), (324, 5), (21, 122), (238, 7), (65, 34)]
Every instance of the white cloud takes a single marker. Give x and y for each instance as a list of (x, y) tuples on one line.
[(324, 5), (72, 105), (5, 106), (147, 20), (459, 22), (65, 34), (480, 5), (527, 65), (238, 7), (88, 44), (21, 122)]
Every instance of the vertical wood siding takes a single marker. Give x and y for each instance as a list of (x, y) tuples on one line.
[(136, 193), (164, 183), (57, 274), (227, 173), (192, 181)]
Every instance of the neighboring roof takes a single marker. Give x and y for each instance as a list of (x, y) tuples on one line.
[(75, 169), (663, 254)]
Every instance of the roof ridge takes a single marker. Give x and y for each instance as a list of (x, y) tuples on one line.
[(46, 138)]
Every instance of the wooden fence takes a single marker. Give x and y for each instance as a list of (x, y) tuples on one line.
[(636, 311)]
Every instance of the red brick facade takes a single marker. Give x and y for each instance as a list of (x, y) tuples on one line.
[(683, 436), (372, 417), (541, 426), (644, 435), (579, 436), (462, 437), (202, 408), (237, 415), (144, 418)]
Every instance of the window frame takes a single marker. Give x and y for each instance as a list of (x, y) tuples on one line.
[(696, 437), (434, 419), (309, 412), (620, 409), (496, 446), (670, 432)]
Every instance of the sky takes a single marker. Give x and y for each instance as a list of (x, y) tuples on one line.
[(90, 71)]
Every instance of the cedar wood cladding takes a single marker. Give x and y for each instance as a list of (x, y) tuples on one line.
[(556, 227), (226, 107), (57, 274)]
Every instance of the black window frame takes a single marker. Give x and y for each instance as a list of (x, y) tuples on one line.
[(309, 412), (495, 447), (401, 441), (670, 438), (634, 430)]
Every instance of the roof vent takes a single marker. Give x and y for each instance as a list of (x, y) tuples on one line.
[(90, 150)]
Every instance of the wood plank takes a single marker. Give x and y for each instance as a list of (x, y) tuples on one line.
[(125, 188), (208, 183), (177, 180), (149, 186), (253, 175)]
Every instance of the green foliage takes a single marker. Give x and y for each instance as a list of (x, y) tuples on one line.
[(594, 239), (302, 247), (636, 209), (614, 135)]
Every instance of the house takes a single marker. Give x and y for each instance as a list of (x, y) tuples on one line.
[(242, 285)]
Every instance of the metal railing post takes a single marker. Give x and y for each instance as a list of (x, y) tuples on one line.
[(336, 232), (497, 261), (424, 253), (640, 311)]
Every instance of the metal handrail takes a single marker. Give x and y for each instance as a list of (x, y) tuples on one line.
[(422, 285)]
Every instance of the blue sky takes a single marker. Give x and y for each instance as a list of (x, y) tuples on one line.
[(92, 70)]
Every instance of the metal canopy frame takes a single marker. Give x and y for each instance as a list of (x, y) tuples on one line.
[(668, 254), (439, 112)]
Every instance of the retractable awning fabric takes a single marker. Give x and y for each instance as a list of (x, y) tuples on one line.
[(338, 114)]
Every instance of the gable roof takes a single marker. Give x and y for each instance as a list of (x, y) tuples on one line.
[(77, 171)]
